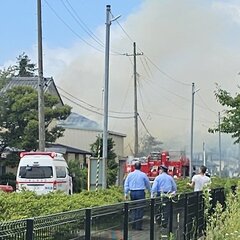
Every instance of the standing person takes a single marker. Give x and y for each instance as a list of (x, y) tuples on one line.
[(200, 180), (136, 183), (163, 185)]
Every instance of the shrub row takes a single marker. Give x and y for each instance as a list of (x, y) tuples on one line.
[(27, 204)]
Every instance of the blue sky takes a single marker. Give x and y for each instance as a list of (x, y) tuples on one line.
[(19, 22)]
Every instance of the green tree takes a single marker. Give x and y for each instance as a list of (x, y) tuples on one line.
[(230, 122), (5, 75), (24, 66), (79, 176), (19, 118), (149, 144), (112, 166)]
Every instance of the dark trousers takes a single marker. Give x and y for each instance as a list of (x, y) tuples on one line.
[(137, 213)]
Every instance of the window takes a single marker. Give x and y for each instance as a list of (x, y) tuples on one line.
[(60, 172), (36, 172)]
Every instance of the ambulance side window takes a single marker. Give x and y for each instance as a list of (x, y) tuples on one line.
[(60, 172)]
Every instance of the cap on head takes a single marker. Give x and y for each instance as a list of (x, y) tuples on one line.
[(137, 165), (164, 168)]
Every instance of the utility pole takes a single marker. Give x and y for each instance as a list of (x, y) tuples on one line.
[(41, 115), (192, 120), (220, 144), (135, 98), (105, 121), (204, 154)]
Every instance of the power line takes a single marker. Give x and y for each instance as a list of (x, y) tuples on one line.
[(71, 29), (155, 65), (78, 99), (93, 111), (147, 66), (166, 74), (92, 106), (80, 22), (208, 108), (144, 67), (85, 27), (144, 125), (123, 30)]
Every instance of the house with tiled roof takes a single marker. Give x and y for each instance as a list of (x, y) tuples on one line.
[(81, 132), (48, 87)]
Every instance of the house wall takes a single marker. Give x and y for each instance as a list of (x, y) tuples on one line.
[(82, 139), (81, 158)]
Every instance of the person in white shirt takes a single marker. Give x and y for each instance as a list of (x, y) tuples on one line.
[(200, 180)]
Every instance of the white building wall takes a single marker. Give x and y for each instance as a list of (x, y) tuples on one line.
[(82, 139)]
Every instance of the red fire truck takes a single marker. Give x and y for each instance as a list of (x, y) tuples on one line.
[(177, 163)]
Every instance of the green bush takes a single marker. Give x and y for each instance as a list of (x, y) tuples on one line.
[(79, 176), (27, 204), (224, 223)]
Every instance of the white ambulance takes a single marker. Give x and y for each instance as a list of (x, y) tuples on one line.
[(43, 172)]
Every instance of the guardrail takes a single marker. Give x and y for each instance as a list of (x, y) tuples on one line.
[(184, 213)]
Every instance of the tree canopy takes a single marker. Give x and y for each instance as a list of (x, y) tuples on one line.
[(149, 144), (19, 118), (24, 67), (112, 166), (5, 75), (230, 123)]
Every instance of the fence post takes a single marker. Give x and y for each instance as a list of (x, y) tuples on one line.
[(88, 223), (152, 216), (170, 229), (125, 223), (197, 216), (185, 216), (29, 233)]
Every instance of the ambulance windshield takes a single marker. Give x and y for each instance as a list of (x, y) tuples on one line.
[(36, 172)]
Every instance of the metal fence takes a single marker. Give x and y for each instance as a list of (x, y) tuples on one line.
[(181, 216)]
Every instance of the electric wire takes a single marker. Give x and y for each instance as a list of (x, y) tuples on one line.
[(155, 65), (144, 125), (122, 28), (71, 29), (166, 74), (144, 67), (147, 65), (140, 94), (80, 22), (205, 104), (92, 106), (93, 111)]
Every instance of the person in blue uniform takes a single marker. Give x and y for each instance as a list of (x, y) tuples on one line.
[(164, 185), (136, 183)]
